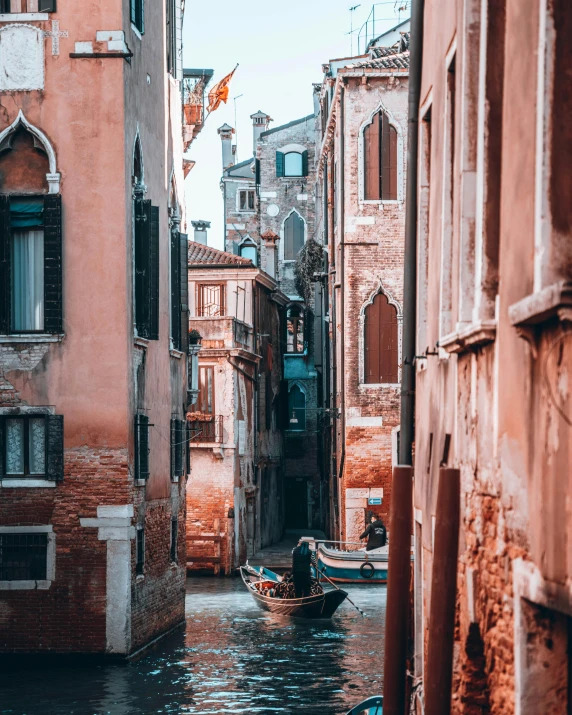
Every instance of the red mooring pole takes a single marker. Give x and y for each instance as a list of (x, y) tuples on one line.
[(439, 673), (397, 613)]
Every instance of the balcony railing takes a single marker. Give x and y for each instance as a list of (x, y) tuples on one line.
[(207, 430), (195, 82)]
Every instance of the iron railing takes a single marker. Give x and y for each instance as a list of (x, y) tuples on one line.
[(23, 557), (207, 431)]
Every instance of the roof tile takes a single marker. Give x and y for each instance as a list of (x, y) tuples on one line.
[(199, 254)]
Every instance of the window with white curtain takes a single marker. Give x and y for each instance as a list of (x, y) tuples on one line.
[(27, 279)]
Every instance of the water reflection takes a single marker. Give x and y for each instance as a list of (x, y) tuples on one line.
[(233, 658)]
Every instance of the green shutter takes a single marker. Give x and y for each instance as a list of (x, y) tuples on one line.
[(53, 319), (184, 296), (55, 447), (175, 289), (279, 163), (142, 277), (4, 264), (179, 447), (257, 172), (188, 436), (305, 162), (142, 16), (2, 446), (154, 274), (141, 447), (47, 6), (133, 11), (172, 442)]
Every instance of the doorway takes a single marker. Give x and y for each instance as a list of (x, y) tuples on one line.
[(297, 503)]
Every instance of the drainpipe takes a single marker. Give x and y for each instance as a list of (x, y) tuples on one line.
[(342, 283), (410, 257)]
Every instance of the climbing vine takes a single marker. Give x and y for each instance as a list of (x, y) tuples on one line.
[(309, 261)]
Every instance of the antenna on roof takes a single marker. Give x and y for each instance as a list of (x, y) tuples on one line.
[(352, 10)]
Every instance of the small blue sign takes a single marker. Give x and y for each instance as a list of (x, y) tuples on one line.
[(374, 501)]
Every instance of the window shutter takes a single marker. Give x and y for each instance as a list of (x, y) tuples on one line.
[(141, 447), (154, 274), (257, 172), (372, 167), (184, 295), (179, 447), (305, 162), (4, 264), (142, 11), (188, 436), (53, 322), (279, 163), (173, 440), (372, 348), (142, 273), (133, 4), (47, 6), (318, 324), (1, 446), (388, 160), (175, 290), (55, 447)]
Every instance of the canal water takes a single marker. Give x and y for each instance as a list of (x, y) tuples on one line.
[(232, 658)]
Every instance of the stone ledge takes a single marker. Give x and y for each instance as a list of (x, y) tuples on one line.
[(27, 484), (32, 338), (553, 301), (469, 337)]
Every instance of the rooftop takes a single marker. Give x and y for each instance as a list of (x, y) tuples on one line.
[(201, 255)]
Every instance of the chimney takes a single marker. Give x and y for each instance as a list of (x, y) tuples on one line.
[(200, 231), (260, 123), (225, 132)]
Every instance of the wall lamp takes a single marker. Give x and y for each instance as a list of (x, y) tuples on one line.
[(334, 412)]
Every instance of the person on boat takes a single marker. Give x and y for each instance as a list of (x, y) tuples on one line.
[(375, 532), (302, 569)]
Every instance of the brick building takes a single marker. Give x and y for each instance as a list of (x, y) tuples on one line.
[(360, 195), (493, 320), (270, 216), (92, 350), (235, 500)]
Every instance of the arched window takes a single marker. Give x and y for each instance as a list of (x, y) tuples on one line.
[(380, 159), (293, 161), (248, 250), (293, 236), (381, 342), (295, 329), (296, 409), (293, 164)]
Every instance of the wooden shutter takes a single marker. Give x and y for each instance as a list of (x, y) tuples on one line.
[(2, 419), (381, 342), (279, 163), (388, 161), (184, 292), (176, 289), (142, 273), (372, 346), (53, 308), (55, 447), (154, 274), (46, 5), (318, 324), (305, 162), (5, 264), (188, 437), (141, 447), (172, 443), (179, 447), (371, 140), (133, 4), (298, 235)]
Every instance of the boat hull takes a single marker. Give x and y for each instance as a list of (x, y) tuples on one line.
[(321, 606), (352, 566)]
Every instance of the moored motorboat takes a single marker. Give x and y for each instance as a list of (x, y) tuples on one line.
[(353, 566), (259, 581)]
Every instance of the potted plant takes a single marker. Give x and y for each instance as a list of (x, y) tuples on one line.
[(195, 337)]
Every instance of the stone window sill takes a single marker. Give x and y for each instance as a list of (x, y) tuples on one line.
[(177, 354), (24, 16), (369, 385), (140, 577), (32, 338), (136, 32), (469, 337), (27, 484), (141, 342), (25, 585), (140, 482)]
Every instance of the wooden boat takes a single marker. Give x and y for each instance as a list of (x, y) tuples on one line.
[(353, 566), (323, 605)]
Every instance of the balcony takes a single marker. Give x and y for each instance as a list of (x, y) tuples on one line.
[(195, 82), (206, 430)]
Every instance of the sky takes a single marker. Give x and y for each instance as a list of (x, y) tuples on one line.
[(280, 48)]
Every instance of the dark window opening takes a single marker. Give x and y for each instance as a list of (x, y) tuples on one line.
[(23, 557), (295, 329), (247, 200), (172, 37), (140, 556), (380, 159), (206, 398), (141, 447), (32, 445), (138, 15), (179, 291), (174, 535), (146, 276), (178, 442), (6, 6), (296, 409), (293, 236), (381, 342)]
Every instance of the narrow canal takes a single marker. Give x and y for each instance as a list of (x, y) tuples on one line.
[(233, 658)]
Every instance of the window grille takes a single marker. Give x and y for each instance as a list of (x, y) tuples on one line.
[(23, 557), (210, 300)]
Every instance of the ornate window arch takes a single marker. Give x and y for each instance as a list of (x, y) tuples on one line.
[(380, 157), (293, 235), (139, 188), (380, 324), (41, 141), (247, 248)]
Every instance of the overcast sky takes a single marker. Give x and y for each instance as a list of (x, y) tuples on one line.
[(280, 48)]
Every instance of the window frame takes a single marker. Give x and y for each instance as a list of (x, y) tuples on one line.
[(297, 175), (283, 236), (204, 370), (248, 192), (137, 15), (298, 332), (5, 8), (140, 551), (381, 289), (39, 584), (173, 550), (26, 474), (200, 307), (393, 124)]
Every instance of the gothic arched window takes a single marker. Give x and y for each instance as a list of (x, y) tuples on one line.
[(381, 342), (293, 236), (380, 159)]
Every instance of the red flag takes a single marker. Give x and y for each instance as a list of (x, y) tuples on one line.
[(219, 93)]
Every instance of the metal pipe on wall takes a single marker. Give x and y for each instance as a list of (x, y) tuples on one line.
[(439, 671), (410, 256), (397, 613)]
